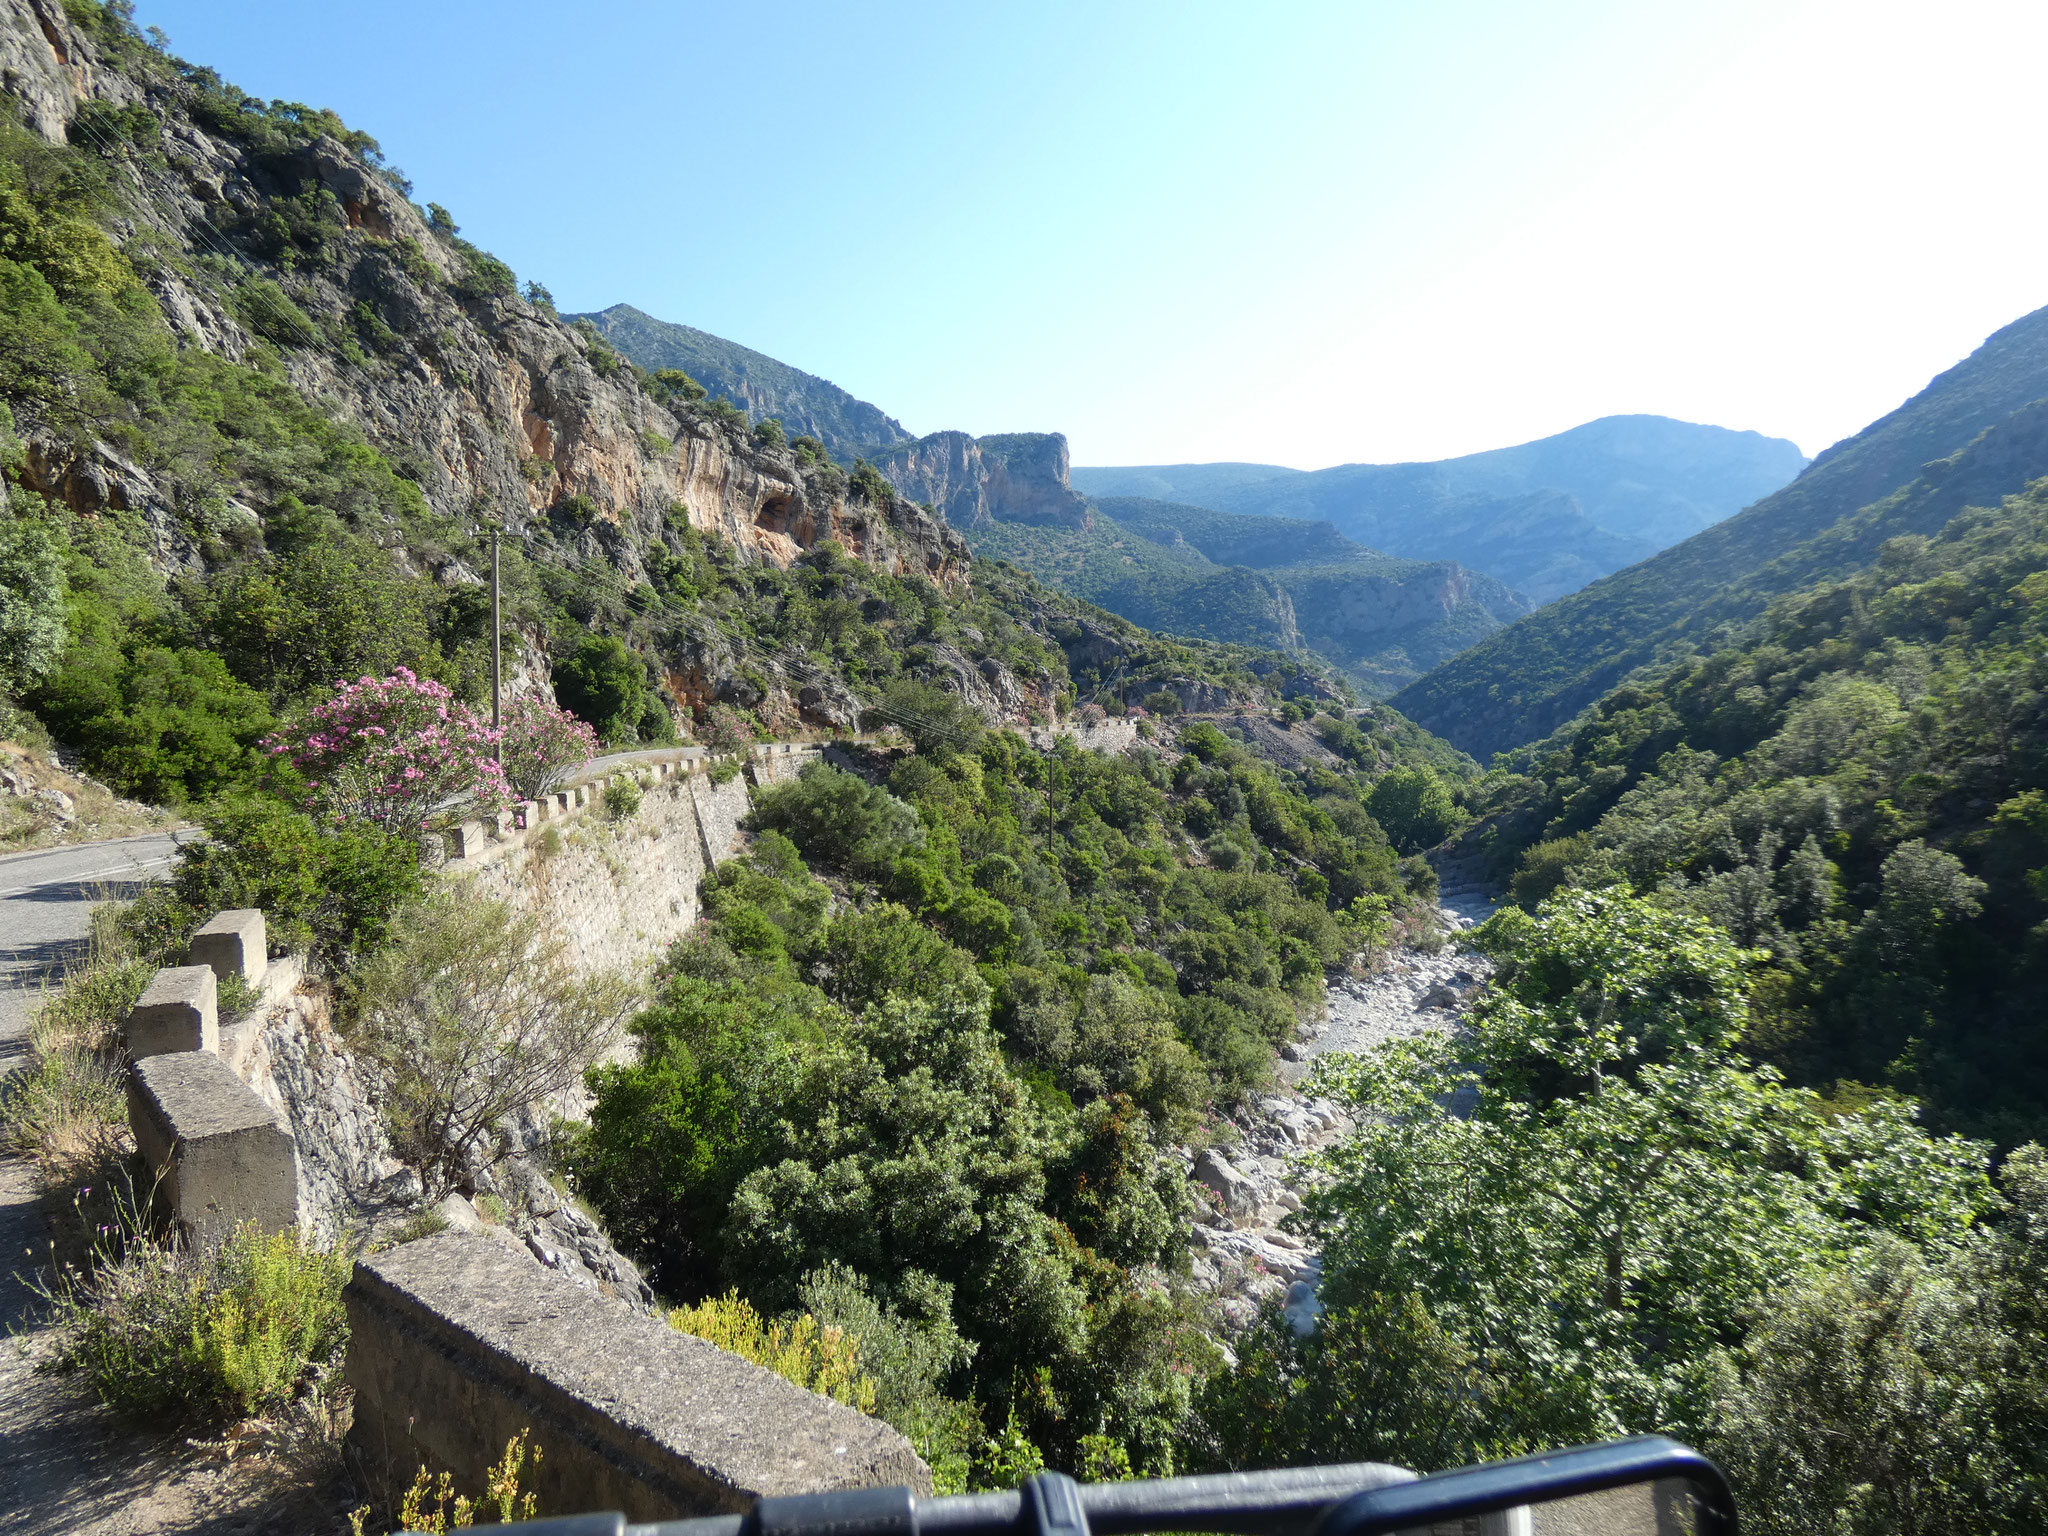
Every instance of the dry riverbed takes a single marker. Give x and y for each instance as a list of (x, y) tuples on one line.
[(1240, 1248)]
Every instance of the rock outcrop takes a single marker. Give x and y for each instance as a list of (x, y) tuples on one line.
[(489, 401), (1014, 477)]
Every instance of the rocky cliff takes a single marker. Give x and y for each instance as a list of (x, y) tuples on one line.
[(1012, 477), (491, 403), (756, 383)]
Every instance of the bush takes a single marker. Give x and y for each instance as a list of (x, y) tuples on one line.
[(328, 890), (621, 797), (541, 745), (603, 682), (66, 1108), (477, 1013), (909, 1359), (200, 1335), (392, 751), (938, 723), (432, 1507), (167, 724), (1415, 807), (820, 1358), (840, 818), (31, 596)]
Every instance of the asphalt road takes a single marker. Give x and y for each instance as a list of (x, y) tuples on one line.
[(46, 902)]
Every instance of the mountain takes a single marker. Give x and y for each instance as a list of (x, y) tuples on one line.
[(1851, 783), (1382, 620), (1973, 435), (753, 381), (269, 444), (1261, 580), (1545, 517), (1011, 477)]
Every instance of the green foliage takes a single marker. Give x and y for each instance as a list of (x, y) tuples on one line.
[(820, 1358), (331, 890), (1844, 785), (908, 1357), (841, 820), (200, 1335), (31, 596), (604, 683), (1562, 1261), (621, 797), (1416, 808), (937, 722), (476, 1013)]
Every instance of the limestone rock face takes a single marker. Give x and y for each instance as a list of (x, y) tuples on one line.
[(1015, 477), (492, 404)]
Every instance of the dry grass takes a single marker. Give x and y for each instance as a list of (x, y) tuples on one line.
[(30, 821), (66, 1109)]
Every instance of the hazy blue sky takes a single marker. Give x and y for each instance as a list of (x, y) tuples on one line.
[(1304, 234)]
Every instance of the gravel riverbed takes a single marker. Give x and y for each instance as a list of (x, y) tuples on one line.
[(1239, 1246)]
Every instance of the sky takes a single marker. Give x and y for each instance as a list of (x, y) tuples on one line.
[(1305, 234)]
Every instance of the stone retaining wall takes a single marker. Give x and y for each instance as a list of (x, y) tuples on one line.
[(621, 892), (456, 1345)]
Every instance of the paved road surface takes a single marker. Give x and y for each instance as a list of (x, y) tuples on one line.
[(65, 1464)]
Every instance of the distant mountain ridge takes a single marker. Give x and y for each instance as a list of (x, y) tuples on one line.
[(1545, 517), (1976, 433), (1262, 580), (755, 382)]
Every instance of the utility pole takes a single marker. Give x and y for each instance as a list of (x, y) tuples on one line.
[(497, 665)]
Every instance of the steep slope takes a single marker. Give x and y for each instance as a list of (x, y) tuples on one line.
[(1831, 786), (1011, 477), (263, 414), (753, 381), (1267, 581), (1545, 517), (1974, 419)]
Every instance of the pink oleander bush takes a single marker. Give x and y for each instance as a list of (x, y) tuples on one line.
[(540, 745), (725, 729), (394, 751)]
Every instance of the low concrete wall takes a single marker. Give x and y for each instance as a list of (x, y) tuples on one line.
[(457, 1344), (222, 1154), (178, 1011)]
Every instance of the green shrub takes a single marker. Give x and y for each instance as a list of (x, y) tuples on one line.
[(838, 818), (331, 891), (167, 724), (820, 1358), (938, 723), (604, 683), (1416, 807), (622, 797), (200, 1335)]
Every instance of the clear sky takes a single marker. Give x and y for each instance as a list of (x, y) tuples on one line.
[(1302, 234)]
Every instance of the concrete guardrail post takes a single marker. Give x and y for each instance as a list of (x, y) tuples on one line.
[(234, 943), (221, 1153), (178, 1011)]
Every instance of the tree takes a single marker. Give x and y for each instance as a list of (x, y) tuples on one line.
[(392, 750), (1415, 807), (31, 597), (1579, 1204), (477, 1013), (604, 683), (938, 723)]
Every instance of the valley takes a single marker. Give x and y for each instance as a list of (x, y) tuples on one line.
[(852, 937)]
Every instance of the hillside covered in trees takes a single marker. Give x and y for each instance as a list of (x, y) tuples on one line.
[(1737, 1142), (1975, 434)]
